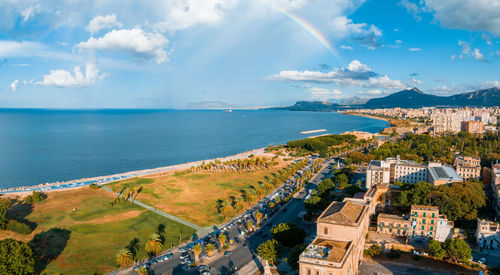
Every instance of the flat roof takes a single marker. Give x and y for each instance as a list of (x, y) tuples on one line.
[(328, 250), (424, 207), (390, 217)]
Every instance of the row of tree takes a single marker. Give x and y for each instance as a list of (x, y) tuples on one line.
[(456, 250), (284, 235), (328, 145), (128, 255), (236, 165)]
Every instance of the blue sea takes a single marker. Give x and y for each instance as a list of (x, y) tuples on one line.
[(38, 146)]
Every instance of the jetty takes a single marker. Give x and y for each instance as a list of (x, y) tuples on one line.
[(313, 131)]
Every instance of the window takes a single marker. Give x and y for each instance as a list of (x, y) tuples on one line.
[(308, 272), (415, 214), (325, 230), (424, 215), (433, 215), (432, 221), (423, 221), (432, 228), (423, 227)]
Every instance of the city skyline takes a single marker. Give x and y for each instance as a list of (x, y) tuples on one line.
[(182, 54)]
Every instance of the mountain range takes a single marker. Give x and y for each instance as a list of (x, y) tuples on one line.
[(410, 98)]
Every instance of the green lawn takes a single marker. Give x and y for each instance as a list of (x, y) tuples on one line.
[(86, 240)]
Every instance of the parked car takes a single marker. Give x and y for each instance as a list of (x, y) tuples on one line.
[(228, 253)]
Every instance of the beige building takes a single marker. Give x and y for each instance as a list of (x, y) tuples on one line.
[(392, 225), (471, 126), (339, 243), (360, 135), (495, 186), (468, 167), (424, 220)]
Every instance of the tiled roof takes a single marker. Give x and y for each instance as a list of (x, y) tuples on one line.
[(337, 249), (346, 212)]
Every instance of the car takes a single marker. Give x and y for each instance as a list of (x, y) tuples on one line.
[(482, 260), (228, 253), (169, 256), (206, 272), (202, 267)]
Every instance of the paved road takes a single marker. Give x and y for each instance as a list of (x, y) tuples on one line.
[(245, 252), (194, 226)]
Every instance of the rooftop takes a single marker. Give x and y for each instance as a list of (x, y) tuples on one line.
[(444, 173), (346, 212), (390, 217), (424, 207), (332, 251)]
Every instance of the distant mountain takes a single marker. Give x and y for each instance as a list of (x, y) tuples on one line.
[(414, 98), (355, 100), (411, 98)]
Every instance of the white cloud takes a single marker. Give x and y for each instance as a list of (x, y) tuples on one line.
[(30, 12), (477, 15), (102, 22), (135, 41), (13, 85), (324, 94), (414, 49), (182, 14), (355, 74), (478, 55), (411, 8), (370, 92), (465, 46), (486, 38), (63, 78), (344, 47), (362, 33), (399, 41)]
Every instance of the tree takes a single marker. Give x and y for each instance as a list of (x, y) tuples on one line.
[(210, 249), (436, 249), (269, 251), (258, 217), (250, 226), (289, 234), (373, 250), (124, 257), (222, 240), (341, 181), (16, 257), (153, 245), (196, 251), (294, 254), (457, 250), (325, 185)]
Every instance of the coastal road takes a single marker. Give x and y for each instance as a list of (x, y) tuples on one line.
[(245, 252)]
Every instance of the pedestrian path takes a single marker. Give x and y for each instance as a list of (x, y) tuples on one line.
[(198, 229)]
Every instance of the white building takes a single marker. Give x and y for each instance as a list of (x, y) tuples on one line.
[(444, 229), (378, 172), (487, 234), (407, 171)]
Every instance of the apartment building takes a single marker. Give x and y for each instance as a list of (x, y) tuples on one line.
[(468, 167), (393, 225), (495, 186), (378, 172), (340, 238), (444, 228), (407, 171), (488, 234), (427, 223), (471, 126)]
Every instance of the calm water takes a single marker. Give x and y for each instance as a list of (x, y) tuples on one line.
[(38, 146)]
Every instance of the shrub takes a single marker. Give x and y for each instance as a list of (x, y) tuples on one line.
[(35, 197), (19, 227), (288, 234), (374, 250)]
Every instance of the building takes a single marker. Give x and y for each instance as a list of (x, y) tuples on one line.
[(406, 171), (471, 126), (443, 174), (360, 135), (444, 228), (424, 220), (488, 234), (393, 225), (468, 167), (427, 223), (395, 169), (340, 239), (495, 186), (378, 172)]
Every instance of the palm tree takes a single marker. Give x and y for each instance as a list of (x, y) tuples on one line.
[(196, 251), (250, 226), (210, 249), (225, 210), (154, 245), (258, 217), (124, 257), (142, 270), (222, 240), (238, 204)]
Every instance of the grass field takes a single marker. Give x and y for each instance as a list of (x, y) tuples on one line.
[(86, 240), (193, 196)]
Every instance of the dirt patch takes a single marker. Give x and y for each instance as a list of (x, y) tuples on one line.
[(112, 218)]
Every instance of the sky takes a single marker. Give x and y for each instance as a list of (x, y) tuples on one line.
[(240, 53)]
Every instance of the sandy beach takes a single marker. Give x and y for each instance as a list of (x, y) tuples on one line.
[(79, 183), (365, 115)]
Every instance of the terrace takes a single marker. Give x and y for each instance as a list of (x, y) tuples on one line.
[(325, 250)]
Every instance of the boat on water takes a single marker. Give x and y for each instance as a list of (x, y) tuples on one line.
[(313, 131), (228, 111)]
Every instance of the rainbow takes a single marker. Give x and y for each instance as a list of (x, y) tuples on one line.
[(308, 27)]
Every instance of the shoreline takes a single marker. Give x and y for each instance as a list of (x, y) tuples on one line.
[(365, 115), (101, 180)]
